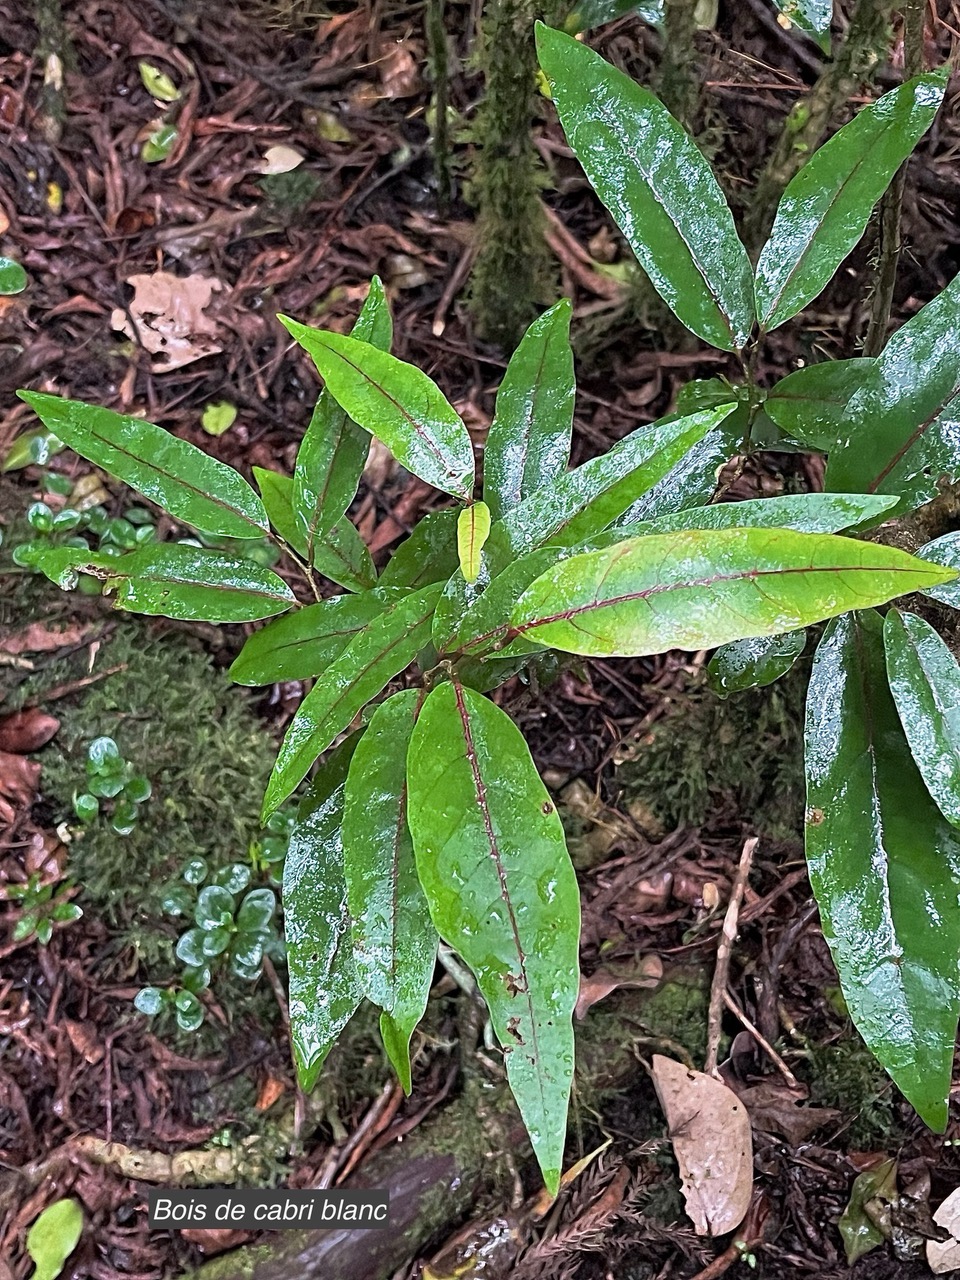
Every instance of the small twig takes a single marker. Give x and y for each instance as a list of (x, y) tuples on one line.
[(761, 1040), (74, 686), (728, 937)]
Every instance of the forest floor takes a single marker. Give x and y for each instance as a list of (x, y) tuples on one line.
[(661, 783)]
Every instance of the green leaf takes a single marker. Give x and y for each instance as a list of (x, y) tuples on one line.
[(53, 1237), (159, 144), (381, 651), (148, 1001), (925, 683), (324, 989), (218, 417), (342, 556), (692, 481), (658, 187), (394, 939), (944, 551), (584, 501), (303, 643), (177, 476), (13, 278), (876, 1187), (214, 907), (256, 911), (753, 663), (176, 580), (34, 447), (824, 211), (809, 403), (483, 624), (493, 864), (157, 83), (903, 424), (885, 868), (428, 555), (805, 512), (812, 16), (528, 444), (595, 13), (700, 589), (334, 449), (473, 529), (397, 403)]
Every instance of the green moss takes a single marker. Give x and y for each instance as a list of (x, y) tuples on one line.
[(707, 754), (844, 1074)]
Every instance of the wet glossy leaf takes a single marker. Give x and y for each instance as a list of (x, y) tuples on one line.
[(342, 555), (473, 529), (903, 424), (157, 83), (305, 642), (218, 417), (594, 13), (805, 512), (700, 589), (13, 278), (658, 187), (334, 450), (190, 948), (493, 864), (824, 211), (885, 867), (394, 939), (584, 501), (148, 1001), (256, 911), (176, 581), (859, 1231), (753, 663), (812, 16), (324, 989), (397, 403), (809, 403), (381, 651), (53, 1237), (177, 476), (428, 555), (214, 906), (528, 443), (159, 144), (944, 551), (692, 481), (925, 683)]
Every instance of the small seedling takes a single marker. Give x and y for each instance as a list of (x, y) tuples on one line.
[(43, 907), (111, 779)]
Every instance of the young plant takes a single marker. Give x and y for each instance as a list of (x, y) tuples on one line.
[(426, 818), (42, 908), (112, 779)]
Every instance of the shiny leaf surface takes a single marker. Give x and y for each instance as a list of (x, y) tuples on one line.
[(885, 867), (944, 551), (809, 404), (394, 939), (493, 863), (584, 501), (753, 663), (386, 646), (594, 13), (925, 683), (177, 476), (824, 211), (528, 443), (176, 581), (812, 16), (702, 588), (397, 403), (305, 642), (324, 987), (331, 456), (903, 424), (658, 187), (805, 512), (428, 555), (692, 481), (473, 529)]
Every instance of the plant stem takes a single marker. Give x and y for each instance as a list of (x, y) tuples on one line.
[(678, 86), (438, 63), (865, 45), (892, 204)]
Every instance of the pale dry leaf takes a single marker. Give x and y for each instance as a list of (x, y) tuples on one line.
[(399, 75), (37, 637), (710, 1131), (168, 312), (280, 159), (944, 1255), (647, 972)]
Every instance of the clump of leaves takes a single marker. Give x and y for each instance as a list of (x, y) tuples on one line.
[(114, 780), (624, 555), (42, 907)]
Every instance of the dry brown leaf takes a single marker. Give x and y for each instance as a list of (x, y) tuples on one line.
[(39, 638), (944, 1255), (776, 1109), (271, 1089), (83, 1036), (18, 779), (168, 312), (210, 1240), (710, 1130), (280, 159), (398, 72), (27, 730), (646, 972)]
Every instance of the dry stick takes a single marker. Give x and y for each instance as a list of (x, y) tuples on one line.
[(728, 937), (892, 204), (762, 1041)]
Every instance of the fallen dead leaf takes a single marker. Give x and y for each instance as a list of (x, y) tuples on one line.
[(710, 1130), (168, 315), (39, 638), (210, 1240), (27, 730), (776, 1109), (399, 73), (18, 778), (647, 971), (272, 1089), (944, 1255), (83, 1036), (280, 159)]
